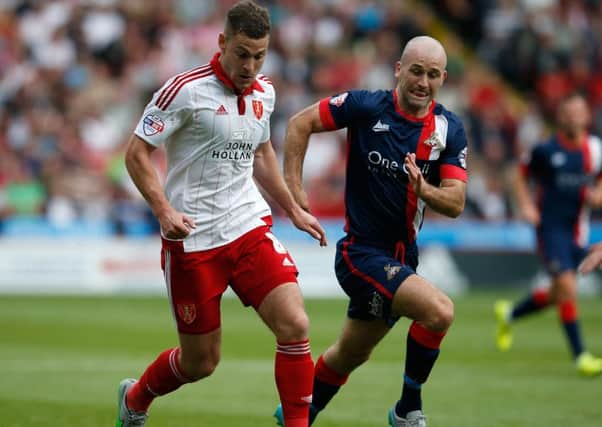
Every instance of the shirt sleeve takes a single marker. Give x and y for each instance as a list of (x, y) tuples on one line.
[(270, 103), (339, 111), (160, 120), (533, 163), (454, 157)]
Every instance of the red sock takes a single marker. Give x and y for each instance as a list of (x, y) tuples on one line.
[(161, 377), (294, 371)]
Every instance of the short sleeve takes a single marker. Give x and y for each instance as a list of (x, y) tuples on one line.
[(269, 107), (341, 110), (533, 163), (454, 157), (160, 119)]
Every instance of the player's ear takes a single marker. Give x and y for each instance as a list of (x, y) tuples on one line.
[(221, 42), (397, 69)]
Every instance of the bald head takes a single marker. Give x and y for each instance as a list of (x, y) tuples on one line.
[(420, 73), (424, 47)]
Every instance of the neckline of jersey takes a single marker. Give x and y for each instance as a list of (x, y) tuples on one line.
[(223, 77), (569, 144), (410, 116)]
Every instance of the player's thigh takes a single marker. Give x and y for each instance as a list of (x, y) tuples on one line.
[(283, 312), (564, 286), (261, 264), (195, 283), (419, 300)]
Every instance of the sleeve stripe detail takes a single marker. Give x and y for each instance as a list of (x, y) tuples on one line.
[(266, 79), (453, 172), (167, 94), (326, 115)]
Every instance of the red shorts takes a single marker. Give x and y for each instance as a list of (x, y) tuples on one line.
[(252, 265)]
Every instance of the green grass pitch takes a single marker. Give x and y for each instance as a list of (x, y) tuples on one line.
[(62, 357)]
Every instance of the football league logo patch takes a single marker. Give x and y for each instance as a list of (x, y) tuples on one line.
[(258, 108), (152, 125), (187, 313), (338, 100)]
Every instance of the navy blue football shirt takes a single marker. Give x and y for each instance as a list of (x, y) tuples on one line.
[(380, 204), (562, 173)]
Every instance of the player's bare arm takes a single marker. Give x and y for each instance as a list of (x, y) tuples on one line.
[(447, 199), (527, 207), (265, 171), (174, 225), (299, 129), (592, 261), (594, 195)]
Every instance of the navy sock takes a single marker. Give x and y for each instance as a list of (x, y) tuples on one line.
[(534, 302), (420, 360), (322, 394), (411, 400), (571, 330)]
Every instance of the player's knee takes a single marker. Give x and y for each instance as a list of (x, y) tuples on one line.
[(200, 367), (293, 327), (442, 314)]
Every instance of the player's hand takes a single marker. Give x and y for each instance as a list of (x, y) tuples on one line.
[(592, 261), (175, 225), (305, 221), (530, 213), (414, 173)]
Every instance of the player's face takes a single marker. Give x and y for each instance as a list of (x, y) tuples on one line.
[(420, 78), (242, 58), (574, 116)]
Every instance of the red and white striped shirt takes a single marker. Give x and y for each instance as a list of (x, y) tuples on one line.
[(210, 133)]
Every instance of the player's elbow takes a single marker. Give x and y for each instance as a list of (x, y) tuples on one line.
[(456, 210)]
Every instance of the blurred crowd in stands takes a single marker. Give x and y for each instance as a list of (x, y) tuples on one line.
[(75, 76)]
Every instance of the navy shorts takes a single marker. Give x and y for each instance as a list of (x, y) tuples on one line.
[(558, 250), (370, 276)]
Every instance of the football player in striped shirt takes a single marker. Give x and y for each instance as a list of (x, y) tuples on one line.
[(214, 122)]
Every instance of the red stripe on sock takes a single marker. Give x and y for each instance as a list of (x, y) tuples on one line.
[(541, 297), (425, 337), (568, 311), (160, 377), (327, 375)]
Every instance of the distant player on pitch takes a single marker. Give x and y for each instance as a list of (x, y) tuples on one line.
[(566, 170), (214, 122)]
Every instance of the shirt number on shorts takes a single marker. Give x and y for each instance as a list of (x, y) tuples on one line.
[(278, 247)]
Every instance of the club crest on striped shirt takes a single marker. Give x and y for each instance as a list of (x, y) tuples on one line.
[(258, 108), (187, 313)]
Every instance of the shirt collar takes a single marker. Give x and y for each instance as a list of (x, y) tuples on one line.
[(223, 77)]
